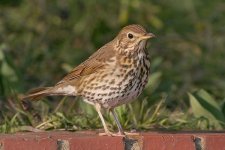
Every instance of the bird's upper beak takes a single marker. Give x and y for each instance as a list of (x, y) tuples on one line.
[(147, 36)]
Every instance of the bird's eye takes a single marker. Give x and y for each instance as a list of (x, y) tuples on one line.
[(130, 36)]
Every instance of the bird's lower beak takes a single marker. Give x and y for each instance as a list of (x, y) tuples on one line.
[(147, 36)]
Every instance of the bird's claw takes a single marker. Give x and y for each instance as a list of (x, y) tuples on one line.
[(120, 134), (108, 133)]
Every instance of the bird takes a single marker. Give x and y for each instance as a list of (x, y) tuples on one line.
[(114, 75)]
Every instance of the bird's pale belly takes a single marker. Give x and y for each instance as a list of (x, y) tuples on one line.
[(115, 88)]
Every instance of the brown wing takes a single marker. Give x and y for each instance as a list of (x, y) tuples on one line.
[(92, 64)]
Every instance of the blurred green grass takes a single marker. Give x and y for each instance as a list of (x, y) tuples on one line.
[(42, 40)]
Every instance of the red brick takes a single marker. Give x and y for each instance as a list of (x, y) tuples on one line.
[(14, 142), (168, 142), (214, 141), (98, 143)]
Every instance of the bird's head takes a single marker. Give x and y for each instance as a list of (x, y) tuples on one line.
[(133, 37)]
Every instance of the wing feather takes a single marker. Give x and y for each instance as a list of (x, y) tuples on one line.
[(91, 65)]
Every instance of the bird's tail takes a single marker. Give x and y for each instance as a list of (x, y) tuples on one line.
[(36, 94)]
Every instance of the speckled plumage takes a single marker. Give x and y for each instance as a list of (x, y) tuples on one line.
[(114, 75)]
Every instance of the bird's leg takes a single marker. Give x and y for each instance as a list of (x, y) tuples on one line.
[(107, 132), (121, 132), (98, 109)]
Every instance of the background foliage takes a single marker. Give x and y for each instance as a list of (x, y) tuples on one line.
[(42, 40)]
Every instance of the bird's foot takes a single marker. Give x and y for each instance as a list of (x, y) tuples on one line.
[(108, 133), (132, 133), (121, 134)]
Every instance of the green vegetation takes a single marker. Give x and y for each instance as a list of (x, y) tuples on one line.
[(40, 41)]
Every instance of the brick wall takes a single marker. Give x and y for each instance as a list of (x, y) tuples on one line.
[(91, 141)]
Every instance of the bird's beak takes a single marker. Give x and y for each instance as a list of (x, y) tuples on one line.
[(147, 36)]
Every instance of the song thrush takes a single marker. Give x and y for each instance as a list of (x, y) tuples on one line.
[(114, 75)]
